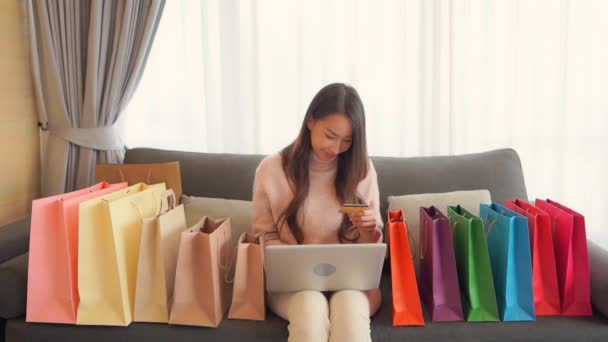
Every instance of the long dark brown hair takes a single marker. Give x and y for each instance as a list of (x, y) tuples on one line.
[(352, 164)]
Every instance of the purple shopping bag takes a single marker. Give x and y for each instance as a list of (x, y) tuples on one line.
[(439, 288)]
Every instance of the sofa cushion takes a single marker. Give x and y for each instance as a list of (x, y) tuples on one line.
[(214, 175), (231, 176), (238, 211), (469, 199), (13, 287), (498, 171), (548, 328), (272, 329)]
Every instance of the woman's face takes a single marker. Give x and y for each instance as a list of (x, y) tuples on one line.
[(330, 136)]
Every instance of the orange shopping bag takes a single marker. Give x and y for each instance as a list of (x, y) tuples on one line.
[(52, 293), (406, 300)]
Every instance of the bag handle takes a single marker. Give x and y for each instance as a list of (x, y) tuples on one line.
[(229, 258), (410, 237), (423, 235), (257, 237), (220, 254), (231, 267), (122, 175), (224, 262), (168, 197), (141, 220), (455, 223), (554, 225), (489, 230)]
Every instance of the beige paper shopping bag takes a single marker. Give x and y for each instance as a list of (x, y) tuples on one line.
[(202, 288), (248, 292), (108, 239), (157, 262), (127, 215)]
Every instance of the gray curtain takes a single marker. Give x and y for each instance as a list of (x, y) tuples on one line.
[(87, 57)]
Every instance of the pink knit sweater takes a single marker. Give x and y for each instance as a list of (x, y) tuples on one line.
[(318, 218)]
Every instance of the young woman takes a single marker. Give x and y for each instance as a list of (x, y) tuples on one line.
[(297, 195)]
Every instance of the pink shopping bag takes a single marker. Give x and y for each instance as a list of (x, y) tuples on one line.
[(52, 293)]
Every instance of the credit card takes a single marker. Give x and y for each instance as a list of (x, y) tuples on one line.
[(353, 208)]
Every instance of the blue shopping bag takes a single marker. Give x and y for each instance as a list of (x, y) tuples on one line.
[(509, 248)]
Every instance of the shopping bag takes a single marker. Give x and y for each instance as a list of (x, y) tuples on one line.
[(168, 173), (571, 258), (509, 248), (544, 275), (157, 261), (202, 280), (473, 263), (248, 294), (407, 309), (52, 292), (438, 275), (109, 233)]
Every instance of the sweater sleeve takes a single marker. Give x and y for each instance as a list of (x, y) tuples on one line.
[(262, 219), (368, 190)]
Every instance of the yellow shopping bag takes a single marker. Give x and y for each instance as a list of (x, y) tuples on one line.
[(109, 234)]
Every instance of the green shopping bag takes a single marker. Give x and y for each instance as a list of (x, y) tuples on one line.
[(473, 263)]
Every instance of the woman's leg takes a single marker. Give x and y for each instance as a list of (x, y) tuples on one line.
[(349, 315), (307, 313)]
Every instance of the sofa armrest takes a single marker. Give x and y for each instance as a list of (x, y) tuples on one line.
[(13, 287), (14, 239), (598, 260)]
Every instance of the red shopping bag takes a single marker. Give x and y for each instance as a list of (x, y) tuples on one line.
[(571, 258)]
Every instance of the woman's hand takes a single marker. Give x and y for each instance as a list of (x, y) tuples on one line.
[(365, 220)]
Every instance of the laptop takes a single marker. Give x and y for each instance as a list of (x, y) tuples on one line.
[(334, 267)]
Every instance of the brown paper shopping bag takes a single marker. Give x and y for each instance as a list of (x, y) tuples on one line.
[(168, 173), (248, 292), (202, 291), (158, 249)]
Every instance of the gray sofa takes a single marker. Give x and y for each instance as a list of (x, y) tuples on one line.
[(231, 176)]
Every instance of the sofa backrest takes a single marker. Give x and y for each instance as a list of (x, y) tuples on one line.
[(231, 176)]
